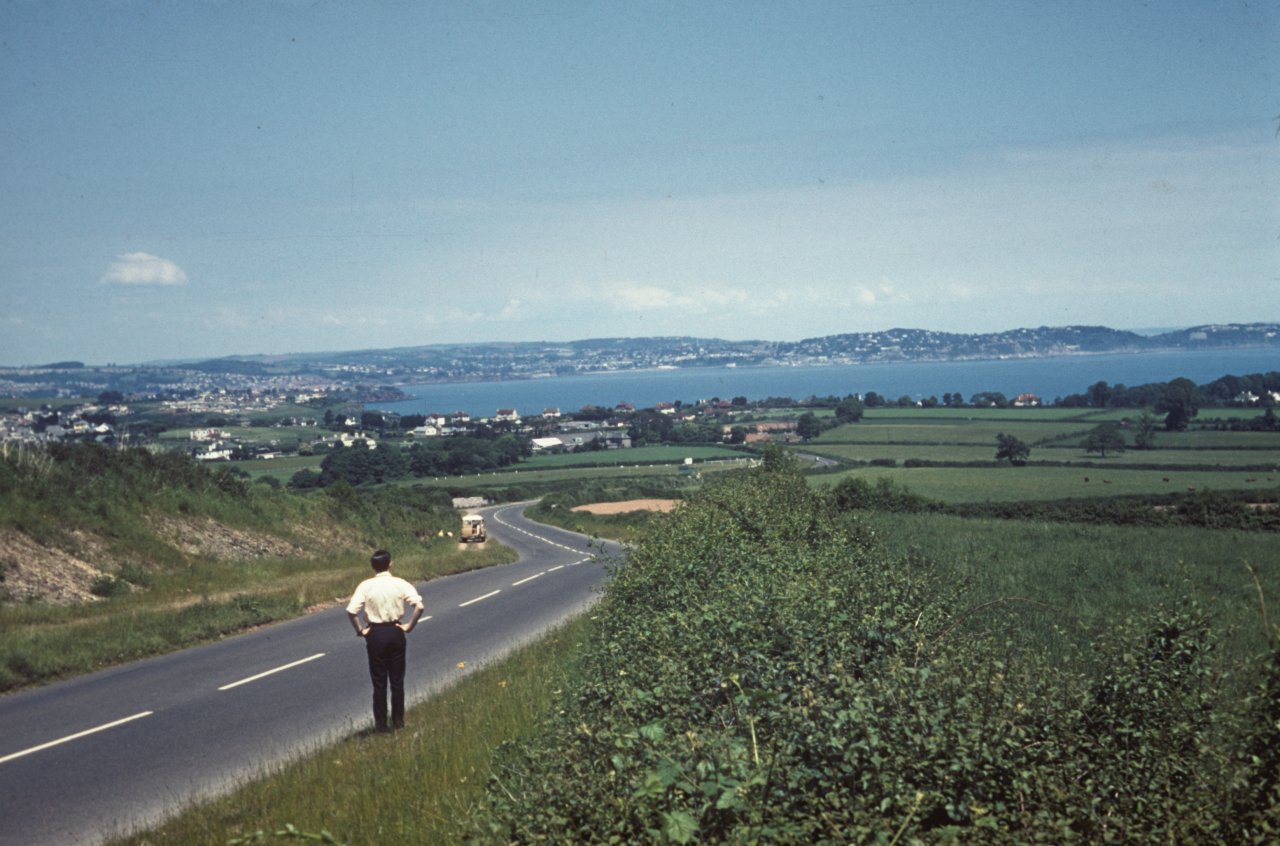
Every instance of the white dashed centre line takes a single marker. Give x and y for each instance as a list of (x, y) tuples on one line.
[(263, 675), (15, 755), (478, 598), (529, 579)]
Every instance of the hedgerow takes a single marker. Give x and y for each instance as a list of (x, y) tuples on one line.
[(764, 670)]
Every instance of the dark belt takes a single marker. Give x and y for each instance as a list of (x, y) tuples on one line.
[(396, 623)]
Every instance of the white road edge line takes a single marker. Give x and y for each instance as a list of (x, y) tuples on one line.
[(271, 672), (14, 755), (529, 579), (557, 567), (478, 598)]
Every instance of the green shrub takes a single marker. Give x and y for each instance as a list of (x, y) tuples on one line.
[(764, 671)]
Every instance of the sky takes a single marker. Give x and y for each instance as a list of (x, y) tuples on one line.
[(189, 179)]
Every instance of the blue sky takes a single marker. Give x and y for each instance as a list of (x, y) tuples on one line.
[(191, 179)]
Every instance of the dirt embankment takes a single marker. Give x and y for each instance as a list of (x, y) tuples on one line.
[(629, 505), (31, 571)]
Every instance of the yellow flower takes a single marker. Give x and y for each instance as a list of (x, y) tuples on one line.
[(461, 664)]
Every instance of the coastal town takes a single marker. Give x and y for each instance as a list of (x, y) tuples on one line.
[(264, 408)]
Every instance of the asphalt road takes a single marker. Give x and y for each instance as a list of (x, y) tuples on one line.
[(122, 749)]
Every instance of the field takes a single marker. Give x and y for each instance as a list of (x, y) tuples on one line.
[(1058, 467)]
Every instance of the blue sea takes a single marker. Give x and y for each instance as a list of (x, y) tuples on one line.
[(1049, 378)]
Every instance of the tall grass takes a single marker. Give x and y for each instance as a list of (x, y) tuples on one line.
[(1059, 580), (420, 785)]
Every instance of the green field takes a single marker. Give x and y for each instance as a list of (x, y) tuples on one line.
[(1172, 458), (1200, 459), (1018, 484), (666, 454), (619, 472)]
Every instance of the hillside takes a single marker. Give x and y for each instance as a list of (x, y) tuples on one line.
[(109, 555)]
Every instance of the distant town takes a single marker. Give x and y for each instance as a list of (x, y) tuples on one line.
[(377, 375), (327, 392)]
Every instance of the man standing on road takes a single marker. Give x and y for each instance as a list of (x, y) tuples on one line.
[(382, 599)]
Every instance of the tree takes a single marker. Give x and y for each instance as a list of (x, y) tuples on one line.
[(1145, 431), (1011, 448), (1180, 402), (849, 410), (1105, 436), (808, 426), (1100, 394)]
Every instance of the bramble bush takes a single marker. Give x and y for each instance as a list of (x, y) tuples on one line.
[(763, 670)]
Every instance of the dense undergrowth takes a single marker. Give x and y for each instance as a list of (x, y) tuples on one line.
[(763, 670)]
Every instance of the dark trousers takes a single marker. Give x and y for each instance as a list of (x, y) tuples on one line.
[(385, 645)]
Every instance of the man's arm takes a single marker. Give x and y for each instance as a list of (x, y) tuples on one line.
[(413, 618), (361, 630)]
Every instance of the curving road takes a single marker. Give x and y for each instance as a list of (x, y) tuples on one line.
[(122, 749)]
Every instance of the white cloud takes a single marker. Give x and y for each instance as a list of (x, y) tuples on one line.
[(143, 269)]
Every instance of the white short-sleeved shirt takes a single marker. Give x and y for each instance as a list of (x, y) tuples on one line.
[(383, 597)]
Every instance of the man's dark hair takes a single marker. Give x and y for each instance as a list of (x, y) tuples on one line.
[(381, 560)]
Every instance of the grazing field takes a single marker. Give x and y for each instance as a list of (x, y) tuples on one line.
[(1019, 484), (1197, 459), (281, 469), (973, 454)]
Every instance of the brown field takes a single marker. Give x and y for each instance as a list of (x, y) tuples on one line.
[(629, 505)]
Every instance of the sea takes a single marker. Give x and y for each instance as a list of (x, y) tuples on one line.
[(1049, 378)]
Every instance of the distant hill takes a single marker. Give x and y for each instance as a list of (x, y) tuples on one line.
[(375, 372), (447, 362)]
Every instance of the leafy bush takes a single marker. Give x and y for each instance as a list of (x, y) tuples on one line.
[(764, 671)]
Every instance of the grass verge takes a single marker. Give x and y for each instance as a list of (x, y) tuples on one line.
[(419, 785)]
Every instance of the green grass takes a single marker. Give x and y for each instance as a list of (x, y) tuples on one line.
[(669, 454), (417, 786), (981, 432), (281, 469), (1082, 578), (1031, 483), (1074, 453), (521, 476)]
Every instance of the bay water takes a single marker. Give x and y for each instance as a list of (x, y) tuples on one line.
[(1048, 378)]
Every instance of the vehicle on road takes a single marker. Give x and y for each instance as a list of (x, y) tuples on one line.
[(472, 529)]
